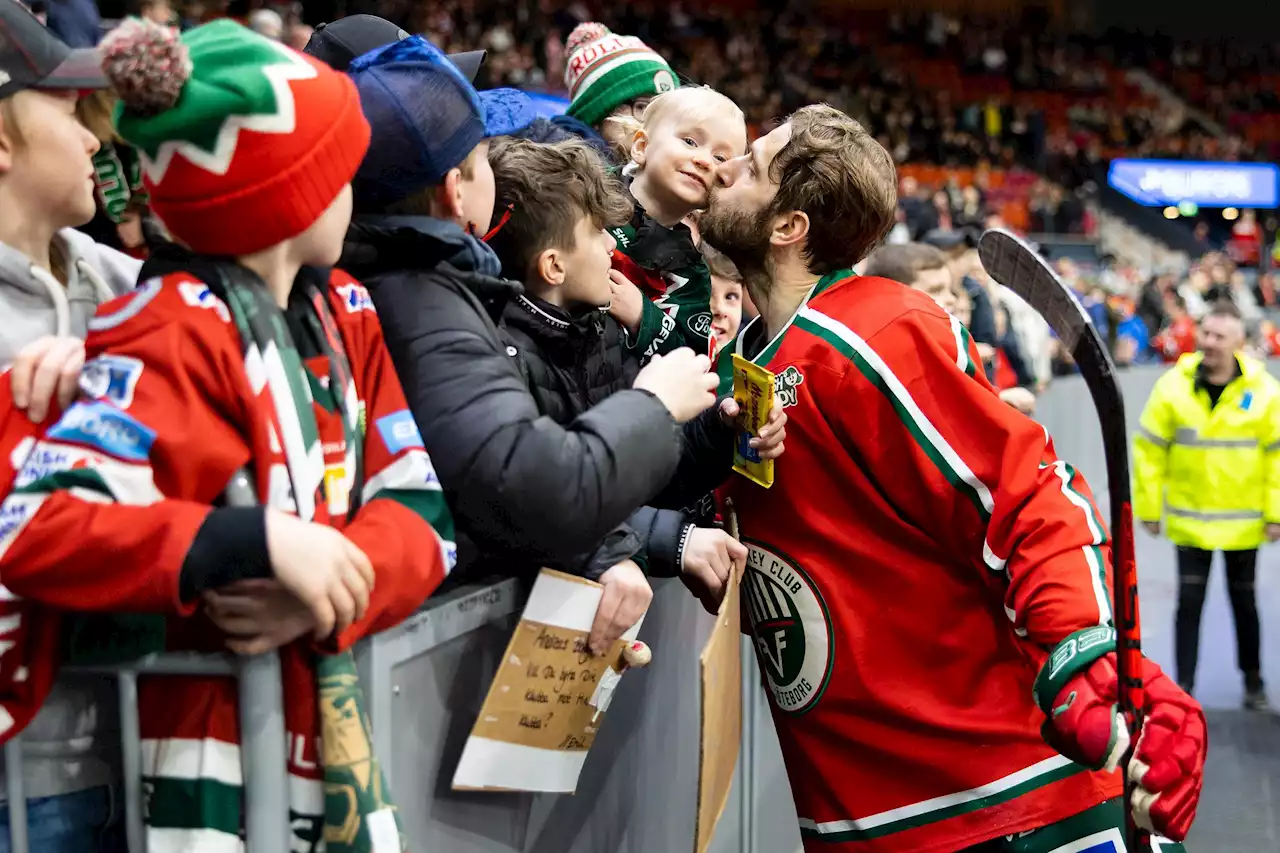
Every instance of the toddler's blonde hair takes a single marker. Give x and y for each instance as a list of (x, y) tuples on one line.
[(685, 102)]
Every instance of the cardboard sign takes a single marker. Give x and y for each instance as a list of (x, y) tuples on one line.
[(721, 708), (548, 698)]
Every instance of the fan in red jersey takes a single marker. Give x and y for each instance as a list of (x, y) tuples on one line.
[(927, 585)]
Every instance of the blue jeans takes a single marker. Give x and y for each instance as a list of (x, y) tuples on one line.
[(84, 822)]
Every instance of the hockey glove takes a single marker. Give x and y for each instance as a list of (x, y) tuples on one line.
[(1078, 690)]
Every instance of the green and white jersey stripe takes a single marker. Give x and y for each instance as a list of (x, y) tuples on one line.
[(919, 814)]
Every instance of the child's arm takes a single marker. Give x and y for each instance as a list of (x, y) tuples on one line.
[(111, 510), (403, 524)]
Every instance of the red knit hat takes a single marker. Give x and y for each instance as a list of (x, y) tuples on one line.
[(244, 143)]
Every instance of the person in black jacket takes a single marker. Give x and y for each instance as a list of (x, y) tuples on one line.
[(516, 481), (558, 200)]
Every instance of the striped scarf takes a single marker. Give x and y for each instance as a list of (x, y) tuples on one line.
[(358, 814)]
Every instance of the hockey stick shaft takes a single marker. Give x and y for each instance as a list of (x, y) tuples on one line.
[(1017, 266)]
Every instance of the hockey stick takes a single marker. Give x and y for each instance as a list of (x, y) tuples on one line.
[(1020, 268)]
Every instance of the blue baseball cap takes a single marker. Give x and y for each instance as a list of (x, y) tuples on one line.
[(426, 118)]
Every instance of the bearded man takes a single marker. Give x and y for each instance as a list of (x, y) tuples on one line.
[(928, 583)]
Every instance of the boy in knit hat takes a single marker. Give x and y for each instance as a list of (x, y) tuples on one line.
[(522, 487), (242, 440), (611, 75)]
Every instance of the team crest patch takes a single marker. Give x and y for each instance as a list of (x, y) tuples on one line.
[(112, 378), (787, 386), (198, 295), (790, 627), (355, 297)]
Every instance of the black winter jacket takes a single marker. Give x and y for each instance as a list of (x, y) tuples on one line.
[(571, 362), (516, 481)]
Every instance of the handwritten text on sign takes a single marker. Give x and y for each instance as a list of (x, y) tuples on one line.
[(542, 692)]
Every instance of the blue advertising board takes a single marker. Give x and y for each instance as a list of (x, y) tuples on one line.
[(1164, 183)]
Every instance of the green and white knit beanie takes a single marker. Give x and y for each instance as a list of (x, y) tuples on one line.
[(605, 71)]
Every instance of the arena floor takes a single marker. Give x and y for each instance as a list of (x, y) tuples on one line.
[(1240, 806)]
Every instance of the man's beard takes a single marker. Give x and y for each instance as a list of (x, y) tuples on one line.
[(742, 236)]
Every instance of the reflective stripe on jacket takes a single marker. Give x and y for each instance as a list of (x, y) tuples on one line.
[(1212, 472)]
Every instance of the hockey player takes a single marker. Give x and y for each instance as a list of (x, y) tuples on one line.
[(927, 584), (241, 352)]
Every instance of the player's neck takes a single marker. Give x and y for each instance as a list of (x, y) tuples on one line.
[(778, 294)]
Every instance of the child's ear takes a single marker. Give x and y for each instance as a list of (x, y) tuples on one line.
[(451, 196), (550, 266), (6, 146), (639, 147)]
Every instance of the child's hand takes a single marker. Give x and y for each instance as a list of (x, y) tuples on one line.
[(626, 598), (628, 302), (323, 569), (257, 615), (46, 368), (681, 381)]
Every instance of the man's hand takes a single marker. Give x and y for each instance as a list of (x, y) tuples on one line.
[(627, 306), (1273, 531), (324, 570), (1153, 527), (626, 598), (46, 369), (1168, 764), (257, 615), (769, 442), (681, 381), (710, 555)]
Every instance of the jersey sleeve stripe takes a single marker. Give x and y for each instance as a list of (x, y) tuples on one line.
[(1093, 551), (963, 361), (926, 435)]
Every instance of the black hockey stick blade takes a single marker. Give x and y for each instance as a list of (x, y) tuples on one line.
[(1019, 267)]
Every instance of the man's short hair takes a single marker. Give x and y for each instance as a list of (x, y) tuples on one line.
[(903, 262), (837, 173), (542, 191), (1224, 308)]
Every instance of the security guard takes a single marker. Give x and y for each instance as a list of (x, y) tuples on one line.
[(1207, 457)]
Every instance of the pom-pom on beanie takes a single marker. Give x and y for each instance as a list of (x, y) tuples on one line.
[(605, 71), (244, 143)]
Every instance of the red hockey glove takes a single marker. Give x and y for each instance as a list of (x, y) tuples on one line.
[(1078, 689), (1168, 764)]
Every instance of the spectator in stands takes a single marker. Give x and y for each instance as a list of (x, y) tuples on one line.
[(662, 287), (52, 278), (1207, 460), (117, 174), (515, 479), (611, 75), (573, 356)]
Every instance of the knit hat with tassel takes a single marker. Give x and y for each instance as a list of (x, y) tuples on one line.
[(244, 142)]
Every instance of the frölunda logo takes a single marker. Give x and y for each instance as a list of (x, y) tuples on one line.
[(790, 626)]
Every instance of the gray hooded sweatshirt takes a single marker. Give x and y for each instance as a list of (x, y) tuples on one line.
[(72, 743)]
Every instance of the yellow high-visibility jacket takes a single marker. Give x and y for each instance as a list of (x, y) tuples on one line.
[(1214, 474)]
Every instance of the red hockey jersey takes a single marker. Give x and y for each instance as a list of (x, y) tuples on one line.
[(107, 504), (919, 552)]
